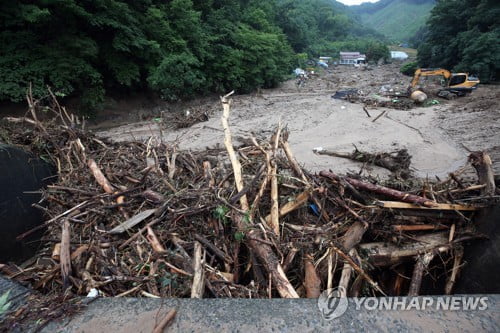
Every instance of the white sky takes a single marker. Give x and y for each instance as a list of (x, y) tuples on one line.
[(355, 2)]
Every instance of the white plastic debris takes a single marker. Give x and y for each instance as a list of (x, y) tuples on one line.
[(93, 293)]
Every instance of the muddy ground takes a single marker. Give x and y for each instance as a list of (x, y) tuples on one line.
[(438, 136)]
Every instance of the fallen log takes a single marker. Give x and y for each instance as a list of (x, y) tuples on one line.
[(312, 282), (381, 254), (354, 235), (406, 197), (422, 263)]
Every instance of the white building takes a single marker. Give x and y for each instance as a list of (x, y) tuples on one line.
[(352, 58), (399, 55)]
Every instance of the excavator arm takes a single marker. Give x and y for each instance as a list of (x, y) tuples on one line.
[(429, 72)]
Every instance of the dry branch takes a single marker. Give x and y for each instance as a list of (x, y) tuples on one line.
[(65, 253), (99, 177), (199, 272)]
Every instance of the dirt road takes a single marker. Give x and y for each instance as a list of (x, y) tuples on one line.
[(437, 136)]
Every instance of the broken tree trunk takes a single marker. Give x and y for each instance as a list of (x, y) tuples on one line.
[(262, 250), (406, 197), (354, 235), (481, 161), (346, 275), (418, 272), (312, 282), (382, 254)]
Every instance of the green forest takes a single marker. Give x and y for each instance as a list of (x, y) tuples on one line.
[(178, 48), (464, 36)]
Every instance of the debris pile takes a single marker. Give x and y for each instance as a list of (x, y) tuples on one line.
[(394, 101), (145, 219)]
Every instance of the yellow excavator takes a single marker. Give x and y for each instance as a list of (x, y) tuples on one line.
[(455, 84)]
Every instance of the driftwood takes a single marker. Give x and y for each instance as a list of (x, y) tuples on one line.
[(406, 197), (312, 282), (358, 269), (132, 222), (154, 241), (346, 275), (457, 262), (99, 176), (290, 206), (274, 219), (481, 161), (354, 235), (65, 254), (422, 263), (382, 254), (397, 161), (434, 207), (183, 202), (199, 273), (417, 227), (263, 251)]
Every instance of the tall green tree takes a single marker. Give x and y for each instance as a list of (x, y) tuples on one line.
[(464, 35)]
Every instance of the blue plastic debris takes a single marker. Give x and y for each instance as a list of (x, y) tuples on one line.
[(315, 209)]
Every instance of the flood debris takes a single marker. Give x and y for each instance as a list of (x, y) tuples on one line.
[(397, 161), (148, 220)]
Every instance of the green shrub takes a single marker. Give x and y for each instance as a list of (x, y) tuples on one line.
[(409, 68)]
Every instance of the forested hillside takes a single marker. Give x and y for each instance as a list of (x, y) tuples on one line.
[(178, 48), (463, 35), (398, 20)]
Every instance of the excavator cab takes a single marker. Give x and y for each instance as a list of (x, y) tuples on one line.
[(463, 82)]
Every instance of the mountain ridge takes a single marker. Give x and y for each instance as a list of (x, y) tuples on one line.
[(398, 20)]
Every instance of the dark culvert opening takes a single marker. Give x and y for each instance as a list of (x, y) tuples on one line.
[(22, 176), (481, 272)]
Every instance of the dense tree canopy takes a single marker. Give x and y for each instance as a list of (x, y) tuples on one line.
[(178, 48), (464, 35)]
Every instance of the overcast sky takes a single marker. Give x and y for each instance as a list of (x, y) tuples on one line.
[(355, 2)]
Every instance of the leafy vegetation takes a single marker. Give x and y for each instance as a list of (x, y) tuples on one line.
[(409, 68), (178, 48), (463, 35), (398, 20)]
